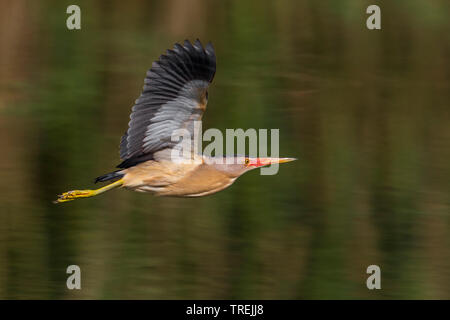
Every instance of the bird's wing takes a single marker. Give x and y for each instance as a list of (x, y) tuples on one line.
[(174, 96)]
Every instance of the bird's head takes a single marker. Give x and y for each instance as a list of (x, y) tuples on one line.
[(236, 166)]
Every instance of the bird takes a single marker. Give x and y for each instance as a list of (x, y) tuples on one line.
[(174, 96)]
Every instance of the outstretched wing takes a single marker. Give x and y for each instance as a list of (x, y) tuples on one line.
[(174, 96)]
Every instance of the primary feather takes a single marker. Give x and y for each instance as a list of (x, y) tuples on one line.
[(173, 97)]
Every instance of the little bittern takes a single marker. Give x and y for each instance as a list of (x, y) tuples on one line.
[(174, 97)]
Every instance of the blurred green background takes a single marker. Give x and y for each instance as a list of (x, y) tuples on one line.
[(366, 112)]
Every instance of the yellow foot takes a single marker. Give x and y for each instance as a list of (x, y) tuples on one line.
[(74, 194)]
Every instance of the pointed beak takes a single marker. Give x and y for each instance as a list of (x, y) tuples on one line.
[(261, 162), (284, 160)]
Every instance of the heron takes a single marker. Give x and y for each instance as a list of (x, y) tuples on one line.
[(174, 96)]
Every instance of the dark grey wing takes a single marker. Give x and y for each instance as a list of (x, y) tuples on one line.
[(174, 96)]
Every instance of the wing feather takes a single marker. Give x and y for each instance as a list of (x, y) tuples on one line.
[(174, 96)]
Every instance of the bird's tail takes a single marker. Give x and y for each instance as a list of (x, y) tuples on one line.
[(75, 194), (110, 176)]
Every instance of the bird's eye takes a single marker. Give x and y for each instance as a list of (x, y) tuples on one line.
[(246, 161)]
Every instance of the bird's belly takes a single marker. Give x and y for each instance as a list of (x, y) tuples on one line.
[(198, 181), (179, 191), (194, 191), (197, 185), (147, 188)]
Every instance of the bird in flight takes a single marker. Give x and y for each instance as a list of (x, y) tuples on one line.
[(174, 96)]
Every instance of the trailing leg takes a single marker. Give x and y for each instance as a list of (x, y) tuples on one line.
[(75, 194)]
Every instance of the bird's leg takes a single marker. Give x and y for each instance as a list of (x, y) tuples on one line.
[(75, 194)]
